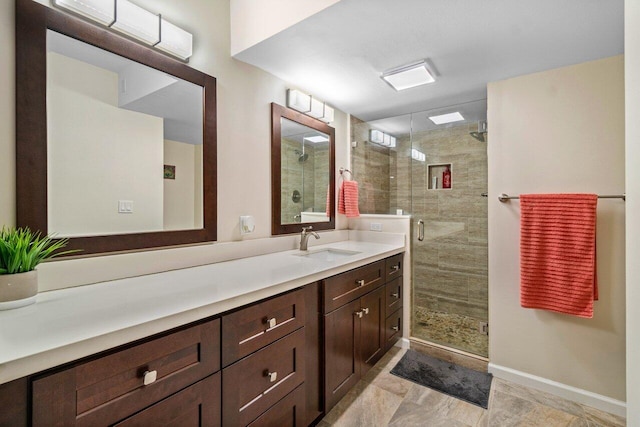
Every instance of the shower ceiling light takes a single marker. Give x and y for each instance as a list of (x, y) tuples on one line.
[(316, 139), (447, 118), (408, 76)]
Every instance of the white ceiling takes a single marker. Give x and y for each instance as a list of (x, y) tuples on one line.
[(339, 53)]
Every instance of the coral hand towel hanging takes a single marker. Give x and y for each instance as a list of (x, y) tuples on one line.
[(558, 252)]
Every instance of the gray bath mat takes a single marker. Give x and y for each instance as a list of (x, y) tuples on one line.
[(454, 380)]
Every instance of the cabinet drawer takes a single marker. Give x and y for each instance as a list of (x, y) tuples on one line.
[(195, 406), (258, 325), (394, 295), (289, 412), (394, 266), (345, 287), (393, 328), (249, 390), (108, 389)]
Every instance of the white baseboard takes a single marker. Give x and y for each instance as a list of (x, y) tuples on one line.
[(402, 343), (598, 401)]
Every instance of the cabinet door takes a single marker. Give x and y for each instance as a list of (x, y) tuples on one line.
[(342, 358), (289, 412), (372, 339), (195, 406)]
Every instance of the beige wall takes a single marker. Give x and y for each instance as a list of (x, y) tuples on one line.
[(632, 99), (253, 21), (183, 194), (90, 138), (244, 143), (559, 131)]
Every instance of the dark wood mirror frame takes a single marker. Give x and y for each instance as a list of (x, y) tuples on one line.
[(32, 22), (277, 113)]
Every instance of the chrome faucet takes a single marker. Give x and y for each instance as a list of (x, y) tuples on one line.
[(304, 237)]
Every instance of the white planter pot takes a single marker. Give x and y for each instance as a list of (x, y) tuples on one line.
[(18, 290)]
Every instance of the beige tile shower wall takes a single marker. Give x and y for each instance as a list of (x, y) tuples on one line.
[(450, 265), (559, 131), (370, 164)]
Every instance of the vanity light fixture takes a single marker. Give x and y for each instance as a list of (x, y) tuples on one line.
[(418, 155), (136, 22), (309, 105), (447, 118), (381, 138), (408, 76)]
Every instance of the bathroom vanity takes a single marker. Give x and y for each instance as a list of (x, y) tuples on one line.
[(268, 353)]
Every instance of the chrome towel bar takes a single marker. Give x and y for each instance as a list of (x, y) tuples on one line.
[(505, 197)]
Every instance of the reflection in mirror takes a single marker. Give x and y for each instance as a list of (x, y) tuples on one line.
[(305, 181), (104, 137), (124, 144), (302, 172)]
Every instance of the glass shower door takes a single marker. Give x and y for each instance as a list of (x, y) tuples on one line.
[(448, 165)]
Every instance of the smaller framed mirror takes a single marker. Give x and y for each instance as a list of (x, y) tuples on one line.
[(302, 172)]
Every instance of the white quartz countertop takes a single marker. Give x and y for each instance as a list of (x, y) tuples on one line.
[(68, 324)]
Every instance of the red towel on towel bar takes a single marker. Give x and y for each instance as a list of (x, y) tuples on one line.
[(558, 252), (348, 199)]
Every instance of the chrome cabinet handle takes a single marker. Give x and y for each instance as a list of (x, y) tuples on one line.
[(359, 313), (395, 268), (360, 282), (149, 377), (271, 322), (395, 295), (273, 376), (395, 328), (420, 230), (365, 310)]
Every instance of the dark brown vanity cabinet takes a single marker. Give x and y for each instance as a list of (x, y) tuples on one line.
[(264, 353), (110, 389), (355, 321), (282, 361)]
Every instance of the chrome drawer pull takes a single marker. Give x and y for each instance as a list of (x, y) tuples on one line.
[(395, 268), (149, 377), (359, 313), (396, 294), (365, 310), (360, 282), (273, 376), (271, 322), (395, 328)]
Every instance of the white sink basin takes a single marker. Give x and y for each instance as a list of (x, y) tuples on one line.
[(328, 254)]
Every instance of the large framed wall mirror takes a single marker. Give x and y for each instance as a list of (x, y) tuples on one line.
[(302, 172), (115, 143)]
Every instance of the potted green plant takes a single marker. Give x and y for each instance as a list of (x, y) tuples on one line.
[(21, 250)]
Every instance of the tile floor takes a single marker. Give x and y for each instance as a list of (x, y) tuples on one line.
[(382, 399)]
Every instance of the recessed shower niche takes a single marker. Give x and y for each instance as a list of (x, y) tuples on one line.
[(437, 174)]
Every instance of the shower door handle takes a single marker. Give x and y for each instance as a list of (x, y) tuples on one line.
[(420, 230)]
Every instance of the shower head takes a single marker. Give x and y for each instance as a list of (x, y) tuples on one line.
[(481, 132), (478, 135), (302, 156)]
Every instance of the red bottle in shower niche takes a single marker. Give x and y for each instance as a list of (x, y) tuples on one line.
[(446, 178)]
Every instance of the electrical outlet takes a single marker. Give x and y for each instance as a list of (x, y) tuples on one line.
[(376, 226)]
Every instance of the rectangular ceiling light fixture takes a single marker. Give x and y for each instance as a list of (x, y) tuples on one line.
[(408, 76), (316, 139), (446, 118)]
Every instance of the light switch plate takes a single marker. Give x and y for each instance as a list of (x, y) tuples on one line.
[(247, 224), (376, 226), (125, 206)]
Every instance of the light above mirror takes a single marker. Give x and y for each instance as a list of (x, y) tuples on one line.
[(303, 165), (309, 105), (136, 22)]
